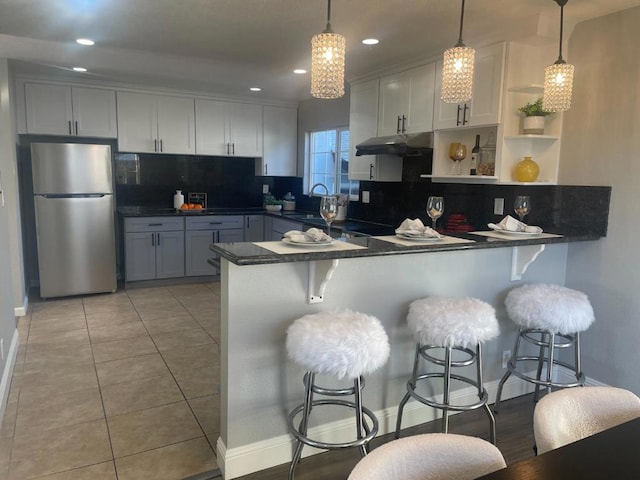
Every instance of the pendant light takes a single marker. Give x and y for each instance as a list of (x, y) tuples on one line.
[(558, 78), (457, 70), (327, 62)]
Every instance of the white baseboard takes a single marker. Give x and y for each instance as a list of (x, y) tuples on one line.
[(22, 311), (236, 462), (5, 383)]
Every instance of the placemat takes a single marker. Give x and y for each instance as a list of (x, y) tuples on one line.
[(503, 236), (285, 248), (444, 240)]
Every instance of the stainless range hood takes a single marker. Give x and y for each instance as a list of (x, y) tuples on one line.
[(402, 145)]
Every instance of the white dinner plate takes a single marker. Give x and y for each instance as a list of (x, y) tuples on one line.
[(418, 239), (308, 244), (518, 234)]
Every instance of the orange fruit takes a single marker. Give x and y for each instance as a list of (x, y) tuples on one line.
[(184, 206), (197, 206)]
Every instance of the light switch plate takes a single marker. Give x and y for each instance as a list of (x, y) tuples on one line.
[(498, 206), (365, 196), (265, 188)]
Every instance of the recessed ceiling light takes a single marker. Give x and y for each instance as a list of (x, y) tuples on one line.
[(85, 41), (299, 71), (79, 69), (255, 89), (370, 41)]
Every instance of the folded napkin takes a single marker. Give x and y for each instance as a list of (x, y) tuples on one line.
[(415, 228), (510, 224), (311, 235)]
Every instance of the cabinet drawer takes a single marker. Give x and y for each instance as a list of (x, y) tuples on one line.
[(153, 224), (215, 222)]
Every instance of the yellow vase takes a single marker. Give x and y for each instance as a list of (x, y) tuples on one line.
[(526, 171)]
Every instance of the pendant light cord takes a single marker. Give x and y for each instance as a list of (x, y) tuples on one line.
[(329, 15), (561, 24), (460, 42)]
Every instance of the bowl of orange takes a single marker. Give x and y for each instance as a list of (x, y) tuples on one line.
[(191, 208)]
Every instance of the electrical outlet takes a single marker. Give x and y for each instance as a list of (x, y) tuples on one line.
[(506, 356), (498, 206), (265, 188), (365, 196)]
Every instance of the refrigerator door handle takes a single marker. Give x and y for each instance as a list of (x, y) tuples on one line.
[(158, 238), (153, 239)]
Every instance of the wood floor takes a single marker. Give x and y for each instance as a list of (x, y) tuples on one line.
[(514, 426)]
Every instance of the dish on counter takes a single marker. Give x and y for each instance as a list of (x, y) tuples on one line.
[(191, 210), (518, 234), (309, 244), (414, 238)]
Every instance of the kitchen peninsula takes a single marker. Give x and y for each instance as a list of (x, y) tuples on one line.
[(262, 292)]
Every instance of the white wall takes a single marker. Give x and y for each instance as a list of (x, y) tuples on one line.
[(601, 146)]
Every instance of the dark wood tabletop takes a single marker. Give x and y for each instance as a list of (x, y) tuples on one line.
[(612, 454)]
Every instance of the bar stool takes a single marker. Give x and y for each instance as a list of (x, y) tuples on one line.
[(450, 326), (343, 344), (550, 317)]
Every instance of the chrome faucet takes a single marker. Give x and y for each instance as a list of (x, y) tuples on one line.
[(311, 194)]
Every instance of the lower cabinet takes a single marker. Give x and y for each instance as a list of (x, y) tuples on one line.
[(254, 228), (281, 226), (201, 232), (154, 248)]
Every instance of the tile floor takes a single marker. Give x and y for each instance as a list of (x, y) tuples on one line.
[(121, 386)]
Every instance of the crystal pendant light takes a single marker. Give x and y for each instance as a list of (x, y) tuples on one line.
[(457, 70), (327, 62), (558, 78)]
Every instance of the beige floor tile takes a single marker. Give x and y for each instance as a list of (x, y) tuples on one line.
[(155, 292), (101, 471), (58, 410), (61, 324), (7, 429), (36, 362), (68, 378), (171, 324), (129, 397), (173, 462), (131, 347), (131, 369), (199, 382), (63, 305), (183, 360), (114, 317), (52, 341), (183, 339), (152, 428), (24, 325), (161, 311), (207, 410), (190, 289), (61, 449), (106, 303), (6, 445), (112, 333)]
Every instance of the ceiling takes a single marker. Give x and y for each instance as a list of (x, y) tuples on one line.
[(227, 46)]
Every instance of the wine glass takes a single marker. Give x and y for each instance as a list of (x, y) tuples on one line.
[(329, 210), (522, 206), (435, 209), (457, 153)]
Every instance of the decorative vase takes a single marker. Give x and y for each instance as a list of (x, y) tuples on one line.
[(533, 125), (526, 171)]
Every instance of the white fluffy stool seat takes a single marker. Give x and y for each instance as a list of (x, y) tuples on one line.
[(550, 307), (450, 321), (342, 343), (431, 456)]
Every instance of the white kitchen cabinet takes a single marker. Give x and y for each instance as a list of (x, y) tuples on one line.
[(228, 128), (280, 142), (485, 106), (201, 232), (155, 123), (406, 101), (254, 228), (70, 111), (280, 226), (154, 248), (363, 124)]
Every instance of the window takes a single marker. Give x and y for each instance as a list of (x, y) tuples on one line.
[(329, 162)]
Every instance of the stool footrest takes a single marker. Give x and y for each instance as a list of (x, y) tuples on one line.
[(580, 377), (444, 406)]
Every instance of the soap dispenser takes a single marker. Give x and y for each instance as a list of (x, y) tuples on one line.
[(178, 199)]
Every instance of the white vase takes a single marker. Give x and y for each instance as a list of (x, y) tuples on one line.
[(533, 126)]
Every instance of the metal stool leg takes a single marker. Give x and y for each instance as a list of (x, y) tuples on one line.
[(309, 380), (511, 365), (576, 351), (541, 358), (446, 393), (406, 397), (359, 416), (492, 420)]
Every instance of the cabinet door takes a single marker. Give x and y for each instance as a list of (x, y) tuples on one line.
[(48, 109), (487, 85), (445, 115), (421, 83), (137, 122), (245, 129), (140, 256), (254, 228), (363, 124), (94, 112), (176, 125), (280, 136), (211, 136), (197, 252), (170, 254), (393, 103)]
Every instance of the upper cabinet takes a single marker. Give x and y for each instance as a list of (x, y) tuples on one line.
[(155, 124), (228, 128), (406, 101), (486, 104), (74, 111), (280, 138)]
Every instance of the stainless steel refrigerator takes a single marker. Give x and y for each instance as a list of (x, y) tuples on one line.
[(73, 199)]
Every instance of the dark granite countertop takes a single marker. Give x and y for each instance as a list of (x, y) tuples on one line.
[(247, 253)]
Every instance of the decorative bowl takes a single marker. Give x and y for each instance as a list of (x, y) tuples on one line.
[(273, 208)]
